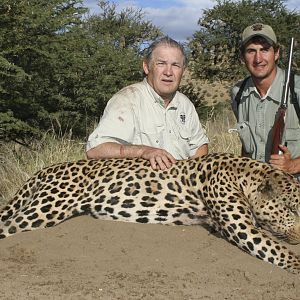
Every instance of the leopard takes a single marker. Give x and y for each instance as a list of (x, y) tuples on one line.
[(249, 203)]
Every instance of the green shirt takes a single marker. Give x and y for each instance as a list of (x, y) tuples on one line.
[(256, 115)]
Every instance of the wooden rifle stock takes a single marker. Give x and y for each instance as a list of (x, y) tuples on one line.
[(279, 124), (278, 128)]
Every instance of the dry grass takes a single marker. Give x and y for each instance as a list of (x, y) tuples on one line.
[(220, 139), (18, 163)]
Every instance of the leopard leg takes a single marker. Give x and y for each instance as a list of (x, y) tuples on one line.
[(236, 223), (35, 214)]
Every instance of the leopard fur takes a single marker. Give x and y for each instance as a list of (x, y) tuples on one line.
[(239, 197)]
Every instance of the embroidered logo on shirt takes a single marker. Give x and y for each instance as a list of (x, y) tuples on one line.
[(182, 118)]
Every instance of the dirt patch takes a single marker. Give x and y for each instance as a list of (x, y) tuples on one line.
[(86, 258)]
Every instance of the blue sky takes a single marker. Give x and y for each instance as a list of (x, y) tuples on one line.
[(177, 18)]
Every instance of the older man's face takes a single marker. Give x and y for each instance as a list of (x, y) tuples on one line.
[(165, 70)]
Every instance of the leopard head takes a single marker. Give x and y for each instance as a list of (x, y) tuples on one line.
[(276, 206)]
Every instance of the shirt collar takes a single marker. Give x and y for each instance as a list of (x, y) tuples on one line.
[(158, 99), (274, 90)]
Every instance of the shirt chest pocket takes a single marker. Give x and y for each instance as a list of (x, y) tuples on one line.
[(292, 140), (246, 137), (152, 136), (292, 134), (184, 134), (180, 139)]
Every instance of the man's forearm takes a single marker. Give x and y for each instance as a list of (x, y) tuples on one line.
[(115, 150), (160, 159), (201, 151)]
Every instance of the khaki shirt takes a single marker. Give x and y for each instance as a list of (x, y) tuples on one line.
[(136, 115), (256, 117)]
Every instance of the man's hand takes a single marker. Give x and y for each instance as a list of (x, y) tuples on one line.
[(160, 159), (283, 161)]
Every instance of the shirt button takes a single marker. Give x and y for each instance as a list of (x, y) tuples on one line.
[(157, 141)]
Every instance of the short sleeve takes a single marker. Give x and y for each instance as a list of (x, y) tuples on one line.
[(198, 137), (116, 124)]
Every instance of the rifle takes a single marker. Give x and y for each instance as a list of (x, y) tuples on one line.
[(278, 127)]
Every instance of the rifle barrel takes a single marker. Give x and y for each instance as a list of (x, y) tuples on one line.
[(288, 74)]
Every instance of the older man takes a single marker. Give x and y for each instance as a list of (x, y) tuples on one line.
[(151, 119)]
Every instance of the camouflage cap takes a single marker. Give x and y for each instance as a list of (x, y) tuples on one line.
[(259, 29)]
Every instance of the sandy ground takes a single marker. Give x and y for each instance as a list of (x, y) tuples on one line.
[(85, 258)]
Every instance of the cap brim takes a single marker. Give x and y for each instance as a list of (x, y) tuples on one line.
[(271, 42)]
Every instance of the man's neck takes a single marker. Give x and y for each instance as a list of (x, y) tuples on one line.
[(168, 99), (263, 84)]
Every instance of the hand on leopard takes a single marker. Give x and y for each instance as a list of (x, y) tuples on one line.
[(160, 159), (283, 161)]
